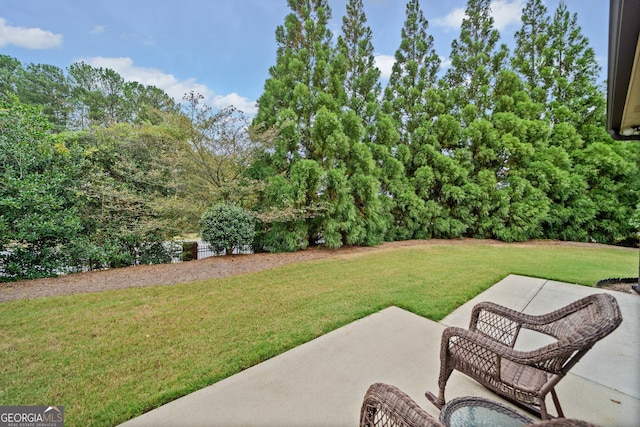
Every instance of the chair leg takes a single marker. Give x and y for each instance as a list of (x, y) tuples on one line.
[(543, 410), (438, 402), (445, 373), (556, 402), (441, 396)]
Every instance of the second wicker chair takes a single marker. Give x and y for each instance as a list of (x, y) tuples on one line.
[(486, 351)]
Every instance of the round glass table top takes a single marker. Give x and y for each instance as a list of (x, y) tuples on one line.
[(478, 412)]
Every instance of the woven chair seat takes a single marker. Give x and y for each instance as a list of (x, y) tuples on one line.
[(523, 377)]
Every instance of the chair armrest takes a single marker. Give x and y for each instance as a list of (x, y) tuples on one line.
[(386, 405), (506, 313), (503, 324), (473, 345)]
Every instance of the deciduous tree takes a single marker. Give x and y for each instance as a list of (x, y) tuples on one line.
[(129, 175)]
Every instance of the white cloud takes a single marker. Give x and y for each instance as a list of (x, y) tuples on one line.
[(29, 38), (240, 102), (452, 21), (98, 29), (384, 64), (170, 84), (142, 39), (445, 63), (504, 13)]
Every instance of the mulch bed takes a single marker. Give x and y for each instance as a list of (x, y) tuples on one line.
[(215, 267)]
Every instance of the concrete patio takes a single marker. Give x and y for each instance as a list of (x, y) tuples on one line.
[(322, 382)]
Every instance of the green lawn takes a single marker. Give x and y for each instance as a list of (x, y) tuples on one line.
[(110, 356)]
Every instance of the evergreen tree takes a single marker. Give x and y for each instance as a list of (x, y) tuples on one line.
[(576, 97), (9, 69), (411, 100), (553, 172), (98, 94), (403, 210), (362, 90), (298, 85), (482, 96), (410, 94), (532, 44), (147, 103), (101, 97), (321, 176), (612, 173), (524, 206), (440, 180), (46, 85), (362, 85), (475, 59), (294, 93)]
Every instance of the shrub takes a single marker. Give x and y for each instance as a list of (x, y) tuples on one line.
[(158, 252), (227, 227), (29, 262)]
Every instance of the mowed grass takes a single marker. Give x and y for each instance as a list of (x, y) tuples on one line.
[(110, 356)]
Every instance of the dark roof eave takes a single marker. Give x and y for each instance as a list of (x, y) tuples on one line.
[(624, 29)]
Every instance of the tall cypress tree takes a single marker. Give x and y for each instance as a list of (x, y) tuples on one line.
[(475, 59), (362, 80), (471, 199), (532, 48), (573, 79), (362, 92), (413, 75), (320, 172), (297, 89), (299, 81), (410, 99)]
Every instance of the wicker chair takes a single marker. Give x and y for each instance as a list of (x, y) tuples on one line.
[(486, 352), (386, 406)]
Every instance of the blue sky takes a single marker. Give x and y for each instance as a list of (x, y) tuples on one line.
[(224, 48)]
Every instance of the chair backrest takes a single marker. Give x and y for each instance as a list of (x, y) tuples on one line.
[(589, 319), (387, 406), (578, 326)]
